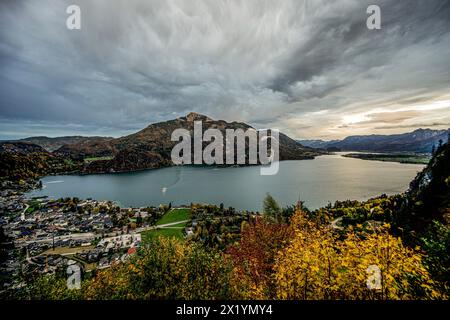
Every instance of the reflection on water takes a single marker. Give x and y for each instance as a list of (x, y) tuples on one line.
[(326, 178)]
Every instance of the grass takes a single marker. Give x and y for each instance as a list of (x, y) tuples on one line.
[(174, 231), (30, 210), (92, 159), (174, 215), (148, 236), (33, 206), (67, 250), (68, 162)]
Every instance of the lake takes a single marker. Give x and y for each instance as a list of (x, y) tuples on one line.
[(325, 179)]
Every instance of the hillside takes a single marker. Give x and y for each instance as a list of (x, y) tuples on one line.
[(152, 146), (317, 143), (52, 144), (418, 141), (411, 213), (429, 192), (228, 252), (24, 161)]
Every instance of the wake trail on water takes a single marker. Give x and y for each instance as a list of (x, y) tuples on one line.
[(179, 178)]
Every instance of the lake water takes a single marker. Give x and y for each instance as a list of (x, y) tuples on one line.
[(317, 182)]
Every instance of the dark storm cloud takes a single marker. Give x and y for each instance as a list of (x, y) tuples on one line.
[(303, 66), (340, 39)]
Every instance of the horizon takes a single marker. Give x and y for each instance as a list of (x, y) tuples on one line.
[(245, 155), (294, 138), (312, 70)]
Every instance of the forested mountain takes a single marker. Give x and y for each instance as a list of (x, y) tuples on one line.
[(146, 149), (152, 146), (24, 161)]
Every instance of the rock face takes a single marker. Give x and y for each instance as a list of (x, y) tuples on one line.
[(152, 146)]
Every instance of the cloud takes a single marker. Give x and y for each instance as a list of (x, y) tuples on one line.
[(264, 62), (391, 117)]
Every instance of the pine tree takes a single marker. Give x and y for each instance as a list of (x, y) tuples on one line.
[(271, 209)]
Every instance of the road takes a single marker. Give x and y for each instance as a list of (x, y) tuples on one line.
[(92, 236), (161, 226), (22, 215), (334, 224)]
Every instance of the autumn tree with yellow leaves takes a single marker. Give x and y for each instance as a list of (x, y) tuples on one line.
[(307, 259), (319, 265)]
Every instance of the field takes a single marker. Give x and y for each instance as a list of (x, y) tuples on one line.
[(89, 160), (67, 250), (174, 215), (33, 205), (176, 230), (164, 232)]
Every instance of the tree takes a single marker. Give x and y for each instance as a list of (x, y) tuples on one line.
[(3, 237), (49, 287), (165, 269), (318, 265), (3, 248), (254, 256), (271, 209), (139, 220), (436, 243)]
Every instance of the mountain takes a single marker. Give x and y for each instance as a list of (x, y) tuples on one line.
[(20, 161), (317, 143), (152, 146), (23, 148), (418, 141), (52, 144)]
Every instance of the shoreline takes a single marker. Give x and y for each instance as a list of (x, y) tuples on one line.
[(387, 157)]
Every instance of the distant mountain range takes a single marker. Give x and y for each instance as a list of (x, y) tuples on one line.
[(148, 148), (418, 141)]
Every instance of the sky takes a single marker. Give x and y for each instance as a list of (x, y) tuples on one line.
[(310, 68)]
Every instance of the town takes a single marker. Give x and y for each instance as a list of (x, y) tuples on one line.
[(40, 235), (44, 235)]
